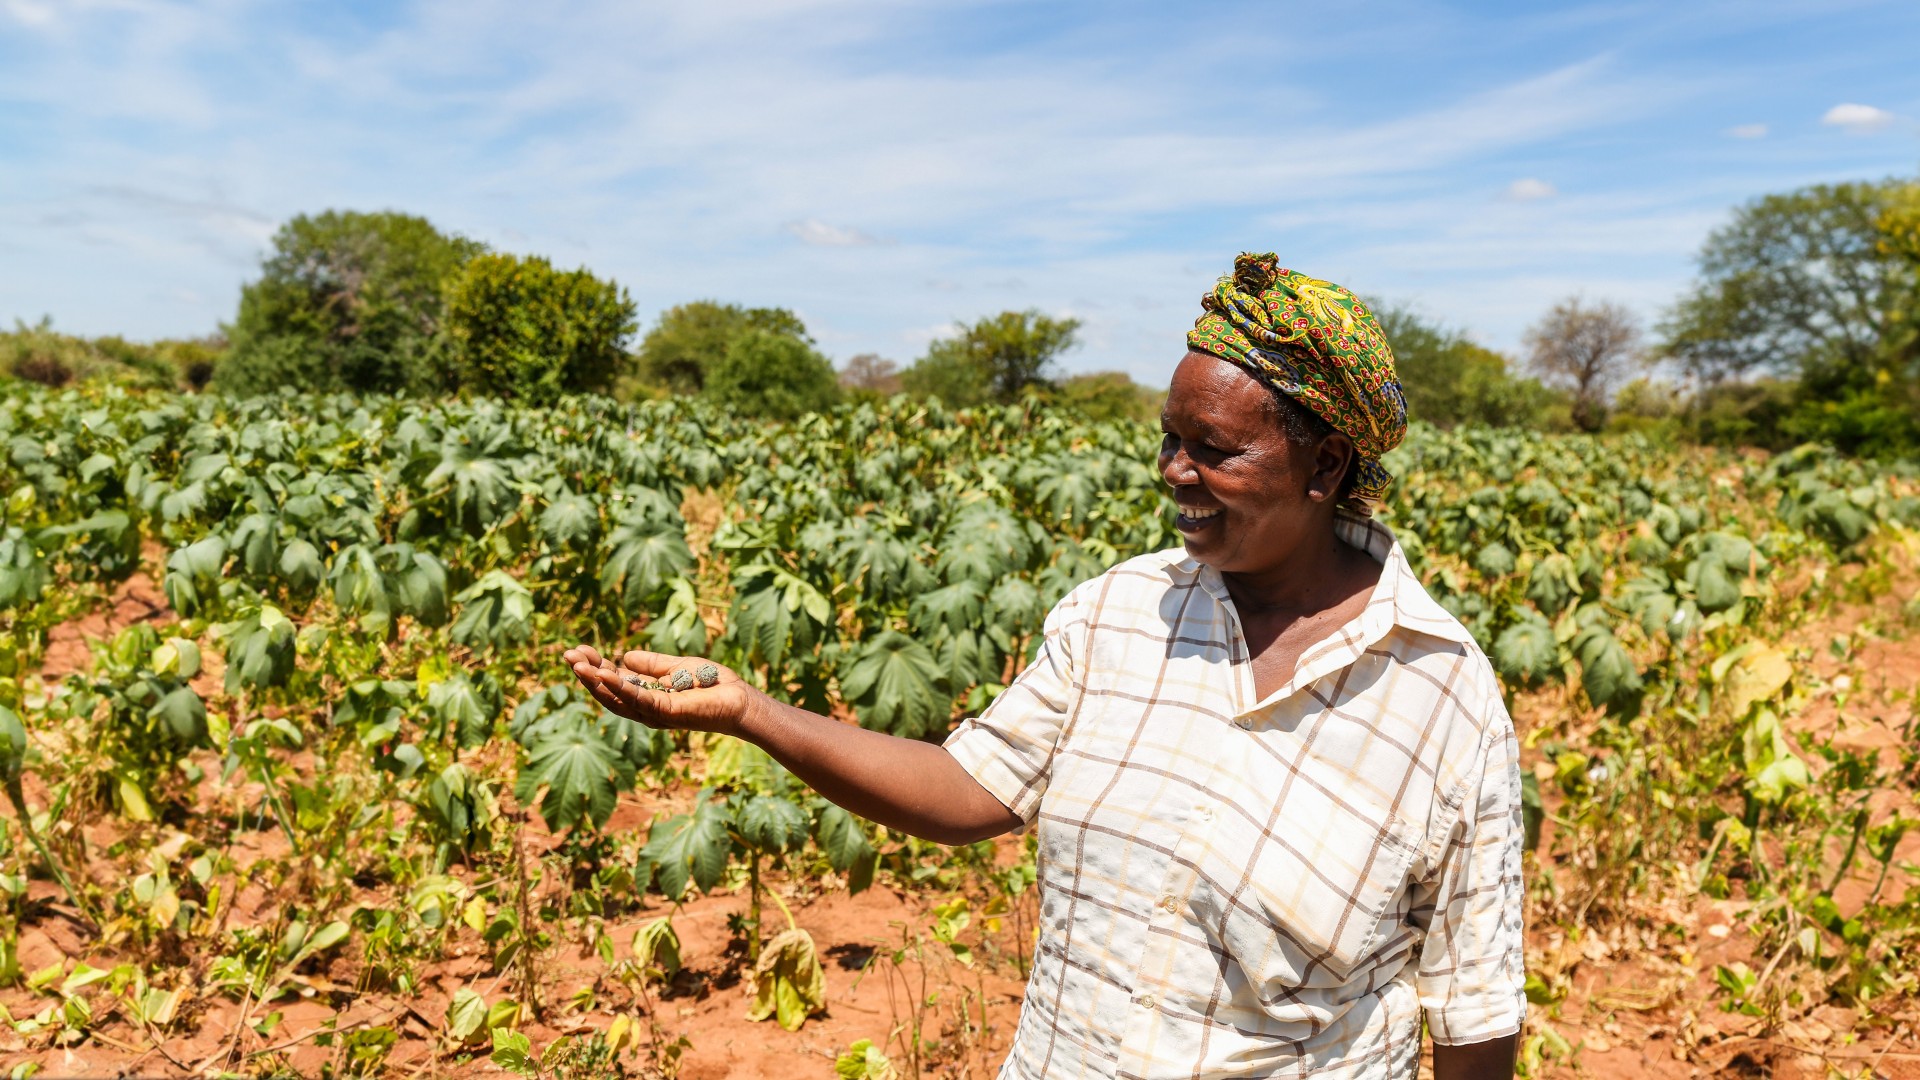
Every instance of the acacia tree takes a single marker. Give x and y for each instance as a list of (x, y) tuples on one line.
[(1588, 350), (871, 373), (1799, 281)]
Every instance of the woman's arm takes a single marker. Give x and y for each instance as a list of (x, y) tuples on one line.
[(903, 784), (1490, 1060)]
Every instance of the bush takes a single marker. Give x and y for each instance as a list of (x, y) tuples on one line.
[(346, 301), (770, 375), (38, 353), (1449, 380), (522, 330), (678, 353), (1110, 395), (993, 359)]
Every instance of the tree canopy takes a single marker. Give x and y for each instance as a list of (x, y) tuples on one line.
[(1449, 379), (771, 375), (682, 347), (524, 331), (346, 301), (992, 359)]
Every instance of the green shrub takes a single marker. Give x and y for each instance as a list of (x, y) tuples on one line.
[(770, 375), (677, 355), (522, 330)]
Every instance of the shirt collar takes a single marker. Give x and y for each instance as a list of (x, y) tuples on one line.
[(1412, 607)]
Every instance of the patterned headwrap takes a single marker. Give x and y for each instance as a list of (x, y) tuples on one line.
[(1316, 343)]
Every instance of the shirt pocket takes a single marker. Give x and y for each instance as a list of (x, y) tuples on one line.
[(1300, 895)]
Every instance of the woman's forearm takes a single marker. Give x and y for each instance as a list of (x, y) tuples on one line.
[(904, 784), (1490, 1060)]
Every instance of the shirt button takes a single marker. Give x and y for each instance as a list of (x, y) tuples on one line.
[(1170, 903), (1245, 723), (1145, 1001)]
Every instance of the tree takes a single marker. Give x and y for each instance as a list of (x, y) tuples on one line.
[(1588, 350), (1817, 291), (771, 375), (993, 359), (1807, 280), (1450, 380), (522, 330), (688, 339), (871, 374), (1110, 395), (346, 301)]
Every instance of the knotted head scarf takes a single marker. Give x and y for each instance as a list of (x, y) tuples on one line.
[(1316, 343)]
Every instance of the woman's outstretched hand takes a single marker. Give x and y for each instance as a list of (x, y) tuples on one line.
[(624, 689)]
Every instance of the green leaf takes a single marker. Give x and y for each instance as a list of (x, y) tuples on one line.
[(656, 945), (260, 649), (466, 707), (788, 983), (13, 745), (1714, 589), (894, 683), (679, 630), (570, 522), (193, 575), (1494, 560), (183, 713), (1526, 651), (583, 777), (466, 1015), (1607, 673), (771, 823), (844, 839), (864, 1061), (645, 556), (300, 566), (687, 848), (495, 611), (514, 1052)]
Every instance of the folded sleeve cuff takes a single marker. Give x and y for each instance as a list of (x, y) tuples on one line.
[(1487, 1017), (990, 757)]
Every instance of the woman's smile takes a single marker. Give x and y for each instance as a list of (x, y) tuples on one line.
[(1194, 520)]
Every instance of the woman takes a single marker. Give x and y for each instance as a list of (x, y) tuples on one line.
[(1277, 794)]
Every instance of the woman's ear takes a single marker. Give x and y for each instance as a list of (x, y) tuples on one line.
[(1331, 460)]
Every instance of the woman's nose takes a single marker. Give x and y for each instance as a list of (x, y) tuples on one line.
[(1177, 468)]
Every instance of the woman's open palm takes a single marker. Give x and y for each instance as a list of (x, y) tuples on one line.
[(623, 689)]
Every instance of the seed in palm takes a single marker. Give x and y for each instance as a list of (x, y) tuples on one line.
[(706, 675), (681, 678)]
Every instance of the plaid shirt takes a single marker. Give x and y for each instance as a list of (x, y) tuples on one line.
[(1236, 887)]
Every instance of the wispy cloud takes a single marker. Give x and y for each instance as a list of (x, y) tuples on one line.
[(1530, 189), (1859, 119), (820, 234), (1748, 131)]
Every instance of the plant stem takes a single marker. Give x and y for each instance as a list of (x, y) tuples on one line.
[(18, 797)]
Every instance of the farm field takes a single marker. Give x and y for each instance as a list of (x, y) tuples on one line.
[(297, 783)]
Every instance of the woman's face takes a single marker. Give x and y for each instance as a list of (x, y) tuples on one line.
[(1247, 496)]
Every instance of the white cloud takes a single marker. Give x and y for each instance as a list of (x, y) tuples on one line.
[(1748, 131), (28, 12), (1530, 189), (820, 234), (1859, 119)]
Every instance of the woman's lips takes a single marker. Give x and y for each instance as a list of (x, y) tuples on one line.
[(1196, 518)]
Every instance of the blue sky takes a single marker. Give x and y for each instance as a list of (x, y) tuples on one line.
[(887, 168)]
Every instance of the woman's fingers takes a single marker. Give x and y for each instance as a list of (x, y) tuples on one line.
[(652, 664)]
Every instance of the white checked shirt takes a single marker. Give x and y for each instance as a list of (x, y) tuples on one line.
[(1238, 887)]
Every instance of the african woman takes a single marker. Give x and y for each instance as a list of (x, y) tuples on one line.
[(1276, 792)]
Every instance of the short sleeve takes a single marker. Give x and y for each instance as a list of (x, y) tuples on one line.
[(1472, 966), (1009, 747)]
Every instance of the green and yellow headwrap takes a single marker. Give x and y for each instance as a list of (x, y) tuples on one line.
[(1316, 343)]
